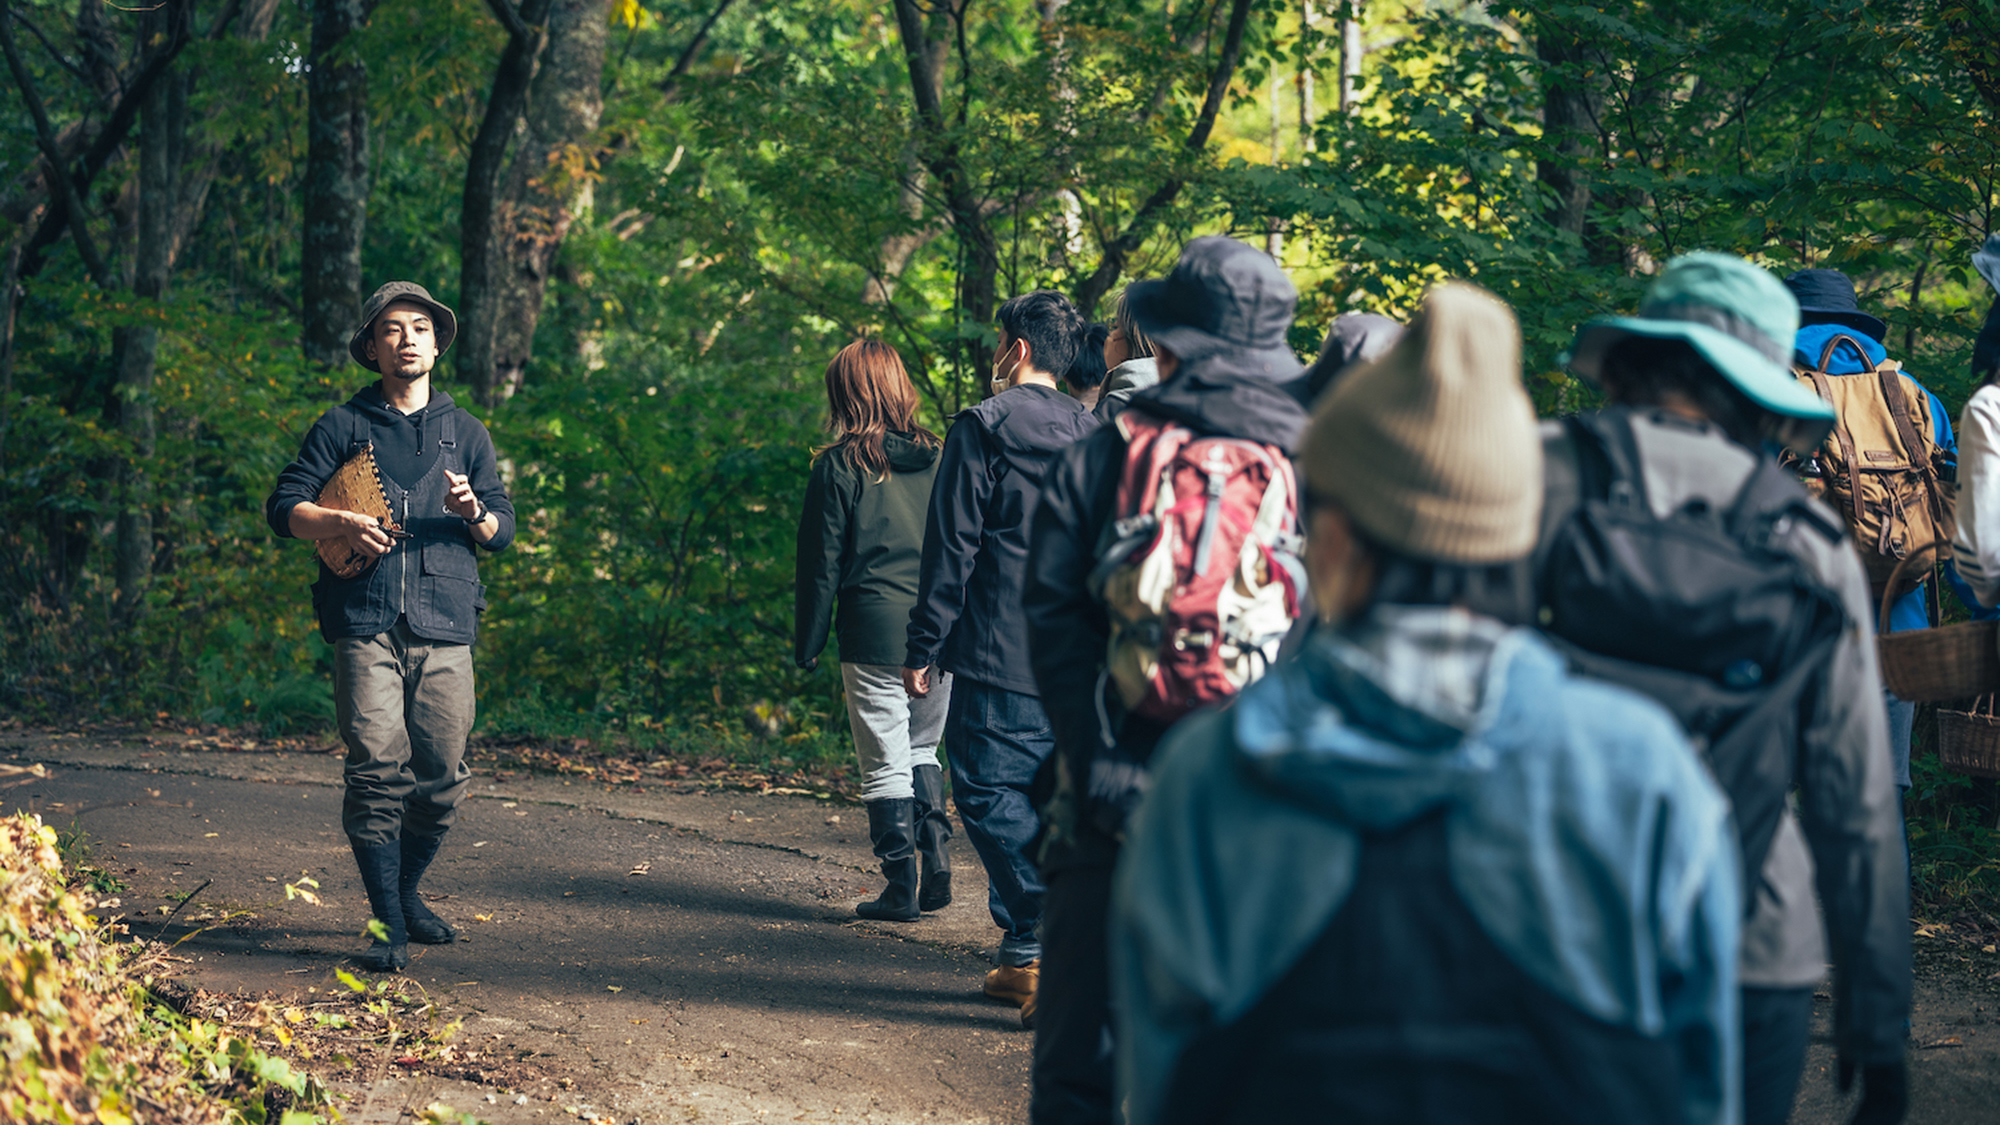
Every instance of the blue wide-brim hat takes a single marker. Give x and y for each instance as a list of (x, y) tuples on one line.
[(1738, 318), (1827, 297)]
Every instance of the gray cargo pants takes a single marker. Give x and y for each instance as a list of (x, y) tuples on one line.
[(405, 706)]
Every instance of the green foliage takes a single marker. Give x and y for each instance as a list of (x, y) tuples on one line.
[(755, 210), (81, 1039)]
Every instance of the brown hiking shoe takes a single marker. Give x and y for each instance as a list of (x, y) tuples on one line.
[(1028, 1010), (1014, 984)]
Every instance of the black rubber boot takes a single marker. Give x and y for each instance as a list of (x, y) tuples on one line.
[(891, 826), (381, 865), (425, 928), (933, 838)]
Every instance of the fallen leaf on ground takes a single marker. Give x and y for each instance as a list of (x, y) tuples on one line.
[(647, 869), (1947, 1041)]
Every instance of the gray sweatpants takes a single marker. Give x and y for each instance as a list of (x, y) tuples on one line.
[(892, 732), (405, 706)]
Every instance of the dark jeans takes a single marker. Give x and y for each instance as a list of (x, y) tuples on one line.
[(1072, 1075), (997, 739), (1777, 1024)]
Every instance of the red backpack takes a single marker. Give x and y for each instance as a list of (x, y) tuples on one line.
[(1200, 572)]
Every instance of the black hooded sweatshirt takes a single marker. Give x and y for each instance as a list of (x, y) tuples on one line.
[(1067, 628), (407, 446), (860, 543), (968, 617)]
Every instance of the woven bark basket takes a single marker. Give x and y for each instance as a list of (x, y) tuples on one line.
[(1947, 664), (1969, 741)]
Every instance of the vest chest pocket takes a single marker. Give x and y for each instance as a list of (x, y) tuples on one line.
[(450, 560)]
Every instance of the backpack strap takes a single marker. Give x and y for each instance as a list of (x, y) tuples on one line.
[(1899, 408), (1840, 435), (1607, 463)]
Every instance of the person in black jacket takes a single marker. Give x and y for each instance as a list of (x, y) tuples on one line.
[(1218, 324), (402, 630), (860, 537), (968, 618)]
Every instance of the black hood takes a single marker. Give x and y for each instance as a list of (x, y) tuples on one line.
[(907, 454), (369, 401), (1242, 406)]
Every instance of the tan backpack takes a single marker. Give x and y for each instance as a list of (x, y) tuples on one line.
[(1881, 468)]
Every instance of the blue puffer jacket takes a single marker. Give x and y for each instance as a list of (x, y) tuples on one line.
[(1583, 834)]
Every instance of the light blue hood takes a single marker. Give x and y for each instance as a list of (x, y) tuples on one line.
[(1583, 834), (1388, 704)]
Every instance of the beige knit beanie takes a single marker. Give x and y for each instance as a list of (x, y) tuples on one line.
[(1433, 449)]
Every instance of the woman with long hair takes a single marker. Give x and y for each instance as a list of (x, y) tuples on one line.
[(861, 537)]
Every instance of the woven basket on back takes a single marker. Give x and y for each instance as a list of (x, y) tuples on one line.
[(1969, 741), (1942, 665)]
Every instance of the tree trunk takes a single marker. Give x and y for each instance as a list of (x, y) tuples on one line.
[(478, 306), (897, 249), (980, 269), (1307, 143), (1351, 51), (1571, 109), (162, 145), (549, 183), (200, 160), (336, 182)]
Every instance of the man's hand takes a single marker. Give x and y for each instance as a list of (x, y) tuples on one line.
[(917, 681), (461, 503), (367, 536), (809, 664), (1885, 1092)]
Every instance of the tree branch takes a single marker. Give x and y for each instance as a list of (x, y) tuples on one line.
[(219, 26), (45, 137), (100, 152), (686, 61), (74, 70), (517, 28), (1119, 250)]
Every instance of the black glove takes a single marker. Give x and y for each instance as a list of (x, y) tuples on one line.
[(1885, 1092)]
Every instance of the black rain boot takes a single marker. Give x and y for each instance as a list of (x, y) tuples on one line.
[(891, 826), (381, 865), (933, 838), (424, 927)]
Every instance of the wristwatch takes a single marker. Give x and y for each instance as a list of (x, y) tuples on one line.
[(479, 514)]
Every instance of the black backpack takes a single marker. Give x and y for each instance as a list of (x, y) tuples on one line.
[(1704, 611)]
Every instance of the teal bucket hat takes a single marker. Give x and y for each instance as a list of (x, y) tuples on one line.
[(1739, 318)]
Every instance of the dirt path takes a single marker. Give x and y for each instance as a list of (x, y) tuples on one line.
[(693, 956), (637, 957)]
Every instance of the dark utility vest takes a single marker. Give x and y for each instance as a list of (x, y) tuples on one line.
[(431, 578), (1405, 1013)]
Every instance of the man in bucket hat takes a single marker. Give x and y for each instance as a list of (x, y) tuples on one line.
[(1673, 498), (402, 628), (1218, 325)]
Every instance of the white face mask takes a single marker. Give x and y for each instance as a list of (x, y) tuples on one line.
[(1003, 381)]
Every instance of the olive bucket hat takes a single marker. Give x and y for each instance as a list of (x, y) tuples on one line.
[(443, 321), (1739, 318)]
